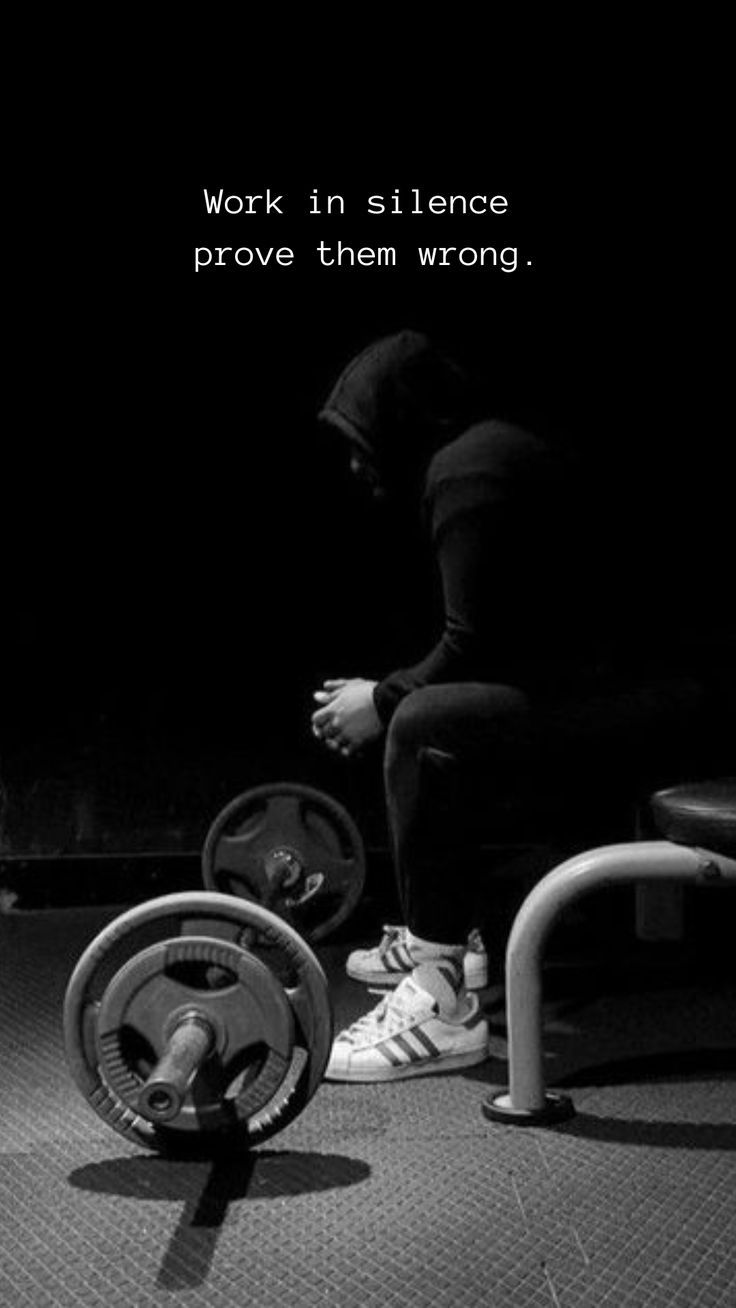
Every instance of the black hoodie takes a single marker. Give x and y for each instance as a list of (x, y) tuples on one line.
[(497, 505)]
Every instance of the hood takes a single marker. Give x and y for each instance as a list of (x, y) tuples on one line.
[(401, 399)]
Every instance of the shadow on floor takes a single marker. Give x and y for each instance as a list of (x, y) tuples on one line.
[(207, 1189), (656, 1067), (718, 1136), (675, 1067)]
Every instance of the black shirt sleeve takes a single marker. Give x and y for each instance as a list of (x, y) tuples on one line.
[(468, 555), (486, 503)]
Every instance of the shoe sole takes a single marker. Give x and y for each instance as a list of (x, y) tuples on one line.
[(388, 980), (450, 1063)]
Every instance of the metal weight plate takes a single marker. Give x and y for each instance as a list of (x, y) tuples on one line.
[(245, 973), (292, 848), (232, 995)]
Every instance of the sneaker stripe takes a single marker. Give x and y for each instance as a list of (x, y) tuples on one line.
[(392, 1058), (423, 1039), (402, 953), (453, 974), (413, 1055), (390, 935), (393, 960)]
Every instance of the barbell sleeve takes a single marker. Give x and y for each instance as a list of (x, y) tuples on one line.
[(161, 1096)]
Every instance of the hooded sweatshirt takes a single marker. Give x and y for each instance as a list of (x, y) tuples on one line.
[(496, 506)]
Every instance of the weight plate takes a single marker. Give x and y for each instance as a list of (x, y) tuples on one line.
[(232, 993), (292, 848), (259, 985)]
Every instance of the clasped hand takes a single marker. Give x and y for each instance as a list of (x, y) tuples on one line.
[(347, 719)]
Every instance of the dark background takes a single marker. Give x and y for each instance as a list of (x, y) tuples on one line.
[(184, 556)]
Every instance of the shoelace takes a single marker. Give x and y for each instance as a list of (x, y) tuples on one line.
[(390, 1014)]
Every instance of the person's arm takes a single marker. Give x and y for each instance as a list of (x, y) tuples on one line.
[(477, 591), (354, 711)]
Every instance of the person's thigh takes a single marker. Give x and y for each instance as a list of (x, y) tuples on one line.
[(469, 752), (469, 721), (468, 765)]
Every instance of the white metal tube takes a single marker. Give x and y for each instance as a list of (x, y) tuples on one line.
[(609, 865)]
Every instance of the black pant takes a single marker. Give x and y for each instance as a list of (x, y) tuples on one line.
[(458, 757)]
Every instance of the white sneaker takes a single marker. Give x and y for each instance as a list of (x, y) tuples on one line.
[(405, 1036), (391, 960)]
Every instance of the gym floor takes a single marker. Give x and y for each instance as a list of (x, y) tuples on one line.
[(400, 1193)]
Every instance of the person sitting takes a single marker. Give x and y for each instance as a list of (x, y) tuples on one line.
[(516, 674)]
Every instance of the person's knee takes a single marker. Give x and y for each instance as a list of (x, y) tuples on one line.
[(461, 720), (407, 730)]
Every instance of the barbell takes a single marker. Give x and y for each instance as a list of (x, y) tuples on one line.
[(198, 1020)]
